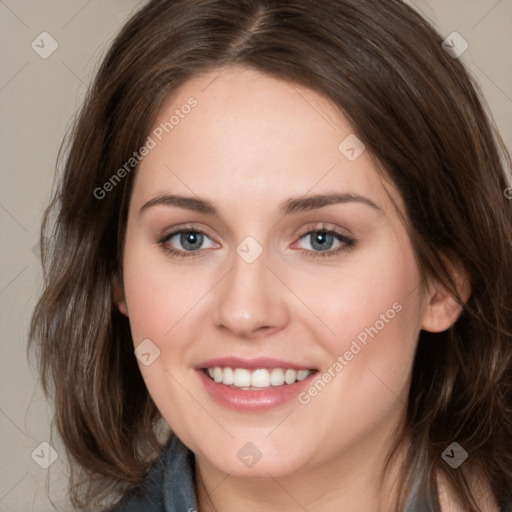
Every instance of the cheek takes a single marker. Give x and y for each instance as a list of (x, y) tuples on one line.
[(161, 299), (371, 316), (159, 295), (374, 294)]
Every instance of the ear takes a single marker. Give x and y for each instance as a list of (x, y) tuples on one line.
[(442, 309), (118, 294)]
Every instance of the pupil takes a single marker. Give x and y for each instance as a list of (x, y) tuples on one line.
[(189, 239), (321, 240)]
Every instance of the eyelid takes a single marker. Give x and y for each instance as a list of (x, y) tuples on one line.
[(347, 240), (324, 226), (186, 227), (318, 226)]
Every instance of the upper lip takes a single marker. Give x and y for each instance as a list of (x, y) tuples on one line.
[(250, 364)]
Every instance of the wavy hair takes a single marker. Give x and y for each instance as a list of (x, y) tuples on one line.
[(420, 114)]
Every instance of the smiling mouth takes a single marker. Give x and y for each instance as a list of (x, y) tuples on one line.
[(256, 380)]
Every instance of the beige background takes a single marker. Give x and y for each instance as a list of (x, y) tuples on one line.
[(38, 98)]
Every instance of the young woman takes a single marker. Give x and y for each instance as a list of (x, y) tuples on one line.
[(278, 276)]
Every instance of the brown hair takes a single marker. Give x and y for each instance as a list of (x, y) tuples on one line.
[(414, 107)]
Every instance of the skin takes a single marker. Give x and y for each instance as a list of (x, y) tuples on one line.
[(251, 143)]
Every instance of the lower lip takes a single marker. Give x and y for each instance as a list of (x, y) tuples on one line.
[(247, 400)]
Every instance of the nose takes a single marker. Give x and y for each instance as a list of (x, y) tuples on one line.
[(251, 301)]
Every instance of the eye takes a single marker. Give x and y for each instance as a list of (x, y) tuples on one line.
[(189, 242), (324, 242)]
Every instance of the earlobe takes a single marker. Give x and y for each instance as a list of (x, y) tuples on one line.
[(441, 312), (442, 309), (118, 294)]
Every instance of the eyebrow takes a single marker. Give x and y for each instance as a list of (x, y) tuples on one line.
[(292, 205)]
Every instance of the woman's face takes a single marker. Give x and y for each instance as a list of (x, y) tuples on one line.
[(261, 287)]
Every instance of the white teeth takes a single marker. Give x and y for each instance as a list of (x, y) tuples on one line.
[(290, 376), (277, 377), (241, 378), (228, 376), (260, 378), (302, 374), (217, 374)]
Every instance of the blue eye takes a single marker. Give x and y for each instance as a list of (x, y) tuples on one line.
[(321, 242), (191, 240)]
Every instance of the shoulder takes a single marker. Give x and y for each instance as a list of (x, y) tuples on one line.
[(145, 497), (148, 495), (169, 485)]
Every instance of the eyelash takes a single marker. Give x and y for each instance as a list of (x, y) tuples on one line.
[(347, 243)]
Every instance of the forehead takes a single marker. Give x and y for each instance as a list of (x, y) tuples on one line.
[(253, 139)]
